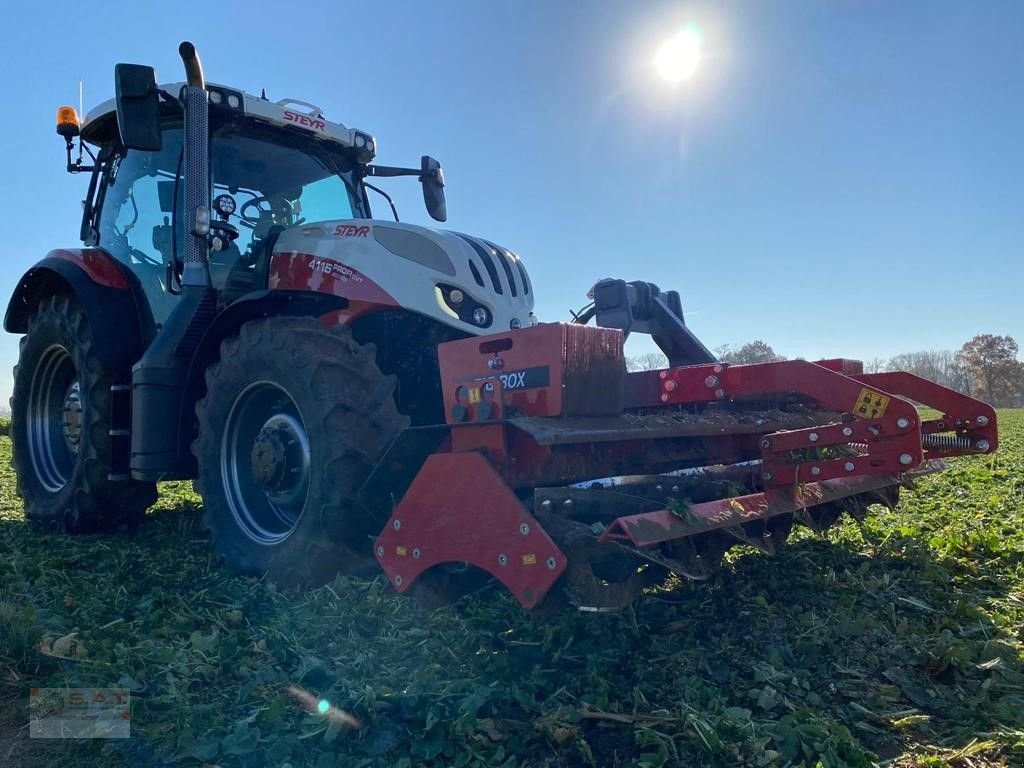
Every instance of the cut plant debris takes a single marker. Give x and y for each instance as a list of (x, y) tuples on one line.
[(893, 641)]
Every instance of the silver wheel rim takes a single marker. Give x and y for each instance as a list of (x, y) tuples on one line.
[(265, 462), (54, 418)]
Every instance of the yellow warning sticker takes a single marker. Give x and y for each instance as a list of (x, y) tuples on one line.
[(401, 551), (871, 404), (474, 394), (529, 559)]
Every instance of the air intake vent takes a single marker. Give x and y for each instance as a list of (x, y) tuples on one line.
[(476, 274), (522, 274), (488, 262), (506, 263)]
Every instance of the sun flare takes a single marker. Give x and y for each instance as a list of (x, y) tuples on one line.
[(678, 57)]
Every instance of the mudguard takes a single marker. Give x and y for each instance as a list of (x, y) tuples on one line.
[(108, 292), (251, 306)]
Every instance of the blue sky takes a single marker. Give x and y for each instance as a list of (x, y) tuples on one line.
[(838, 178)]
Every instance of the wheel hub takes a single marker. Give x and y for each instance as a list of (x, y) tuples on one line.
[(265, 462), (280, 465), (72, 422)]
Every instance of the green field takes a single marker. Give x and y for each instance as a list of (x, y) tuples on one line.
[(896, 642)]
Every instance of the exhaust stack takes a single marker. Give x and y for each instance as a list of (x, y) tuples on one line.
[(196, 272), (159, 378)]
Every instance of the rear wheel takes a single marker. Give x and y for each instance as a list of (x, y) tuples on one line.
[(294, 419), (60, 428)]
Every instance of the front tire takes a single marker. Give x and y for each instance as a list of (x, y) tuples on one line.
[(295, 417), (60, 428)]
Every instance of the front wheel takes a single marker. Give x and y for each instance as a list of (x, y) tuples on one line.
[(294, 419), (60, 428)]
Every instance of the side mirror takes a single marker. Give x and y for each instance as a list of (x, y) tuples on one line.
[(432, 179), (138, 107)]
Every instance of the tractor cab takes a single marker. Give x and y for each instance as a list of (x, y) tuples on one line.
[(271, 168)]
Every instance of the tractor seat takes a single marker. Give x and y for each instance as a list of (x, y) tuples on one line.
[(250, 272)]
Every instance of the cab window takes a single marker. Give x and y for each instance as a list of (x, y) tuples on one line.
[(138, 208)]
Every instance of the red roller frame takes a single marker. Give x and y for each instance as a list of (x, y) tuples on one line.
[(461, 506)]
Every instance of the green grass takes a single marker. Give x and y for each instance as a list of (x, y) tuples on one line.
[(897, 642)]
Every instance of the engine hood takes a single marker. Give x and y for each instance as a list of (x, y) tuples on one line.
[(408, 266)]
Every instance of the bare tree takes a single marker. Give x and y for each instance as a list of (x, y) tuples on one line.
[(939, 365), (649, 361)]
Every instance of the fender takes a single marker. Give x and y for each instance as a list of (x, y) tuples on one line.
[(108, 292), (251, 306)]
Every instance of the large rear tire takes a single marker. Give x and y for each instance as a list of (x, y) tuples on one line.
[(295, 417), (60, 428)]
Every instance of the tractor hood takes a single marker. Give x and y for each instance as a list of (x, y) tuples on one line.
[(463, 281)]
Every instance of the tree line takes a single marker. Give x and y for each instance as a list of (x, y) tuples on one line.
[(986, 367)]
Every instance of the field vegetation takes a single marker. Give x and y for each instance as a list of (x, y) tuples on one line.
[(896, 641)]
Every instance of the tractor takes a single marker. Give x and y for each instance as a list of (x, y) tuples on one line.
[(350, 392)]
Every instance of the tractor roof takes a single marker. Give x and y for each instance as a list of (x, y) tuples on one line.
[(100, 123)]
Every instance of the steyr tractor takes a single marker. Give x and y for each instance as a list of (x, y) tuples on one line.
[(344, 389)]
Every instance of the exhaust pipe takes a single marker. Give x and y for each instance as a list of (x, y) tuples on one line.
[(196, 272), (193, 67), (159, 378)]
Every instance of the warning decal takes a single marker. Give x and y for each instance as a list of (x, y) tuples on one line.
[(871, 404)]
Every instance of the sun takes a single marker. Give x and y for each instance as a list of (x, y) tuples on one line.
[(678, 57)]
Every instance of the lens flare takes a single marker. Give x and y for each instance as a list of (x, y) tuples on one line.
[(322, 707), (678, 57)]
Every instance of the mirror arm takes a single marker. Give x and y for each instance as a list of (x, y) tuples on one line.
[(387, 170)]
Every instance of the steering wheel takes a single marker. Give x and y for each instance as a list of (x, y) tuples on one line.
[(277, 206)]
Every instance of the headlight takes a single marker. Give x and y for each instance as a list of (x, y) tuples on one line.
[(462, 306)]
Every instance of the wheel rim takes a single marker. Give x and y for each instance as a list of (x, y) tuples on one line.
[(54, 418), (265, 462)]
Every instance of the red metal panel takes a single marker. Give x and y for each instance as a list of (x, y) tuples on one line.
[(305, 272), (973, 420), (459, 510), (101, 267), (843, 365), (651, 528), (551, 369)]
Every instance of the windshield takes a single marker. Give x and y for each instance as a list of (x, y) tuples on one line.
[(281, 177), (278, 177)]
